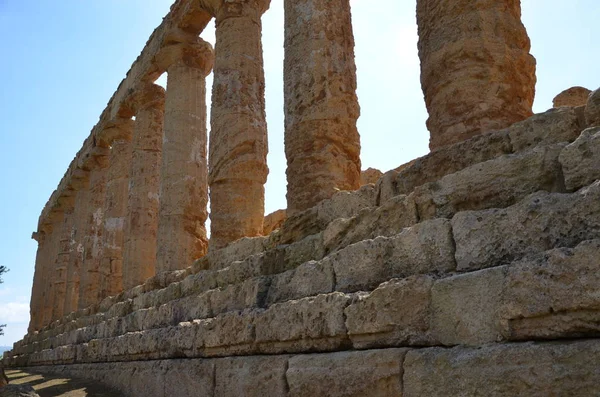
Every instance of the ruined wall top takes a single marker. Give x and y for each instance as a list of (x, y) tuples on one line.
[(183, 24)]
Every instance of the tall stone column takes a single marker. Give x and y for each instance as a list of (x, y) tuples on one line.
[(115, 207), (139, 256), (35, 305), (59, 276), (76, 257), (322, 144), (238, 138), (476, 71), (50, 266), (92, 241), (184, 173)]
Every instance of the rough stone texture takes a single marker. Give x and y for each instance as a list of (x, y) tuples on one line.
[(424, 248), (139, 255), (238, 137), (35, 306), (581, 160), (376, 373), (18, 391), (184, 173), (322, 144), (90, 280), (252, 376), (370, 175), (504, 370), (465, 308), (592, 109), (554, 295), (397, 313), (59, 276), (77, 254), (495, 183), (572, 97), (476, 71), (115, 209), (273, 221), (51, 262), (540, 222), (309, 279)]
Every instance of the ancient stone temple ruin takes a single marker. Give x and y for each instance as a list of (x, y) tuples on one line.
[(473, 270)]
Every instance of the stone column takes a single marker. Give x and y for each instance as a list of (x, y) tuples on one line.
[(50, 265), (115, 207), (139, 255), (238, 138), (35, 305), (76, 256), (184, 173), (59, 276), (322, 144), (92, 240), (476, 71)]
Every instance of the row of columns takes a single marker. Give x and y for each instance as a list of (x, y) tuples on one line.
[(141, 205)]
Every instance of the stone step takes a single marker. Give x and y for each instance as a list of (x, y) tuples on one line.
[(470, 241), (532, 369)]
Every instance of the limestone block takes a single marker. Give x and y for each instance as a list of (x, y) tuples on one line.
[(554, 295), (424, 248), (581, 160), (370, 176), (397, 313), (251, 376), (273, 221), (497, 183), (528, 369), (230, 333), (376, 373), (465, 308), (250, 294), (236, 251), (553, 126), (571, 97), (387, 220), (309, 323), (476, 71), (540, 222), (450, 159), (309, 279), (189, 378), (592, 109), (315, 219), (198, 283), (322, 143)]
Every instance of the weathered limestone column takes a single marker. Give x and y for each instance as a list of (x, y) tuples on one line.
[(120, 134), (76, 257), (35, 305), (59, 276), (139, 256), (476, 71), (50, 265), (322, 144), (92, 241), (238, 138), (184, 174)]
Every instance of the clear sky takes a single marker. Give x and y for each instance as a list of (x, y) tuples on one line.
[(62, 60)]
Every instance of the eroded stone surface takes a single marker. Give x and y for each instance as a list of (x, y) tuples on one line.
[(581, 160), (476, 71), (592, 109), (322, 144), (571, 97)]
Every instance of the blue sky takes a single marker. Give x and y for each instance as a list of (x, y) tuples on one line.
[(62, 60)]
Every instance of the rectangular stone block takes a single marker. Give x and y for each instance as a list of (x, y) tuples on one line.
[(581, 160), (497, 183), (395, 314), (311, 323), (528, 369), (465, 307), (427, 247), (251, 376), (538, 223), (310, 279), (376, 373), (230, 333)]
